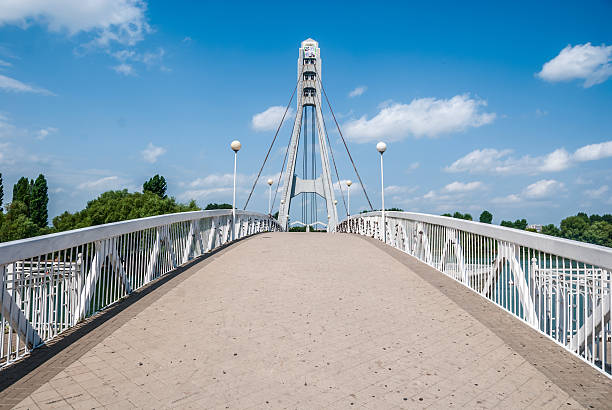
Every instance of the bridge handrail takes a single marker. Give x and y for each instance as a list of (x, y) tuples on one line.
[(50, 283), (582, 251), (40, 245), (560, 287)]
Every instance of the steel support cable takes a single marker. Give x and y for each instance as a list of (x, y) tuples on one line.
[(345, 146), (283, 166), (334, 162), (271, 145)]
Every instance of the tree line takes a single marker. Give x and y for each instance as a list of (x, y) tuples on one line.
[(27, 214), (595, 229)]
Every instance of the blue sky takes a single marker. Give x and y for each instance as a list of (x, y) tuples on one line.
[(499, 107)]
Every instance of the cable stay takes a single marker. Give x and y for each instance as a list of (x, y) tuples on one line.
[(270, 148), (344, 142)]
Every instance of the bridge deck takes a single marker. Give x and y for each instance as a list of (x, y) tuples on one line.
[(307, 321)]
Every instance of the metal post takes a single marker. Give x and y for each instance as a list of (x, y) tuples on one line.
[(235, 145), (381, 147), (270, 182), (348, 210)]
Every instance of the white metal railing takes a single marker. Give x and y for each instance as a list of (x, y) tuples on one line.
[(560, 287), (49, 283)]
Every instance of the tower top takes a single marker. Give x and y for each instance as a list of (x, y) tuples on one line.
[(310, 42)]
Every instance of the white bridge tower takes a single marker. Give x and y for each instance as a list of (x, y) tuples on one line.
[(308, 101)]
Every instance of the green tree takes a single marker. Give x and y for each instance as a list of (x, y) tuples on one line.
[(114, 206), (157, 185), (486, 217), (573, 227), (459, 215), (551, 230), (16, 223), (447, 214), (599, 233), (212, 206), (520, 224), (507, 224), (583, 216), (595, 218), (22, 193), (1, 192), (39, 202)]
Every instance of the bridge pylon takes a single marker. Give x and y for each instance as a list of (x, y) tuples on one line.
[(308, 102)]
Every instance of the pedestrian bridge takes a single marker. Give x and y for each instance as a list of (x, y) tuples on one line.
[(397, 311)]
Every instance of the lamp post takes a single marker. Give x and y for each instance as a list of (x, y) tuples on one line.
[(348, 184), (348, 207), (270, 182), (235, 146), (382, 147)]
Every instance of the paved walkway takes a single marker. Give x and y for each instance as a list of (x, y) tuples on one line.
[(308, 321)]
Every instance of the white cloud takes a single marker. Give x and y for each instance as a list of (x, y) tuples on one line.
[(597, 193), (103, 184), (7, 129), (44, 132), (186, 39), (152, 153), (5, 63), (127, 57), (594, 151), (206, 193), (593, 64), (4, 150), (463, 186), (10, 84), (121, 21), (219, 187), (215, 179), (509, 199), (543, 188), (501, 162), (124, 69), (270, 118), (358, 91), (558, 160), (479, 160), (423, 117), (399, 190), (413, 166), (124, 55), (540, 190)]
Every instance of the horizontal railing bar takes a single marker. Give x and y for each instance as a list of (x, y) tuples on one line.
[(41, 245), (580, 251)]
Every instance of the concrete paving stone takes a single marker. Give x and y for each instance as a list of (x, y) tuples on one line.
[(338, 330), (86, 405)]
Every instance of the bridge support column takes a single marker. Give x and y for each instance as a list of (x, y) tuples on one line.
[(309, 95)]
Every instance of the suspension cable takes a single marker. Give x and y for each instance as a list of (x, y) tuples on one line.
[(334, 162), (271, 145), (344, 142), (280, 175)]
